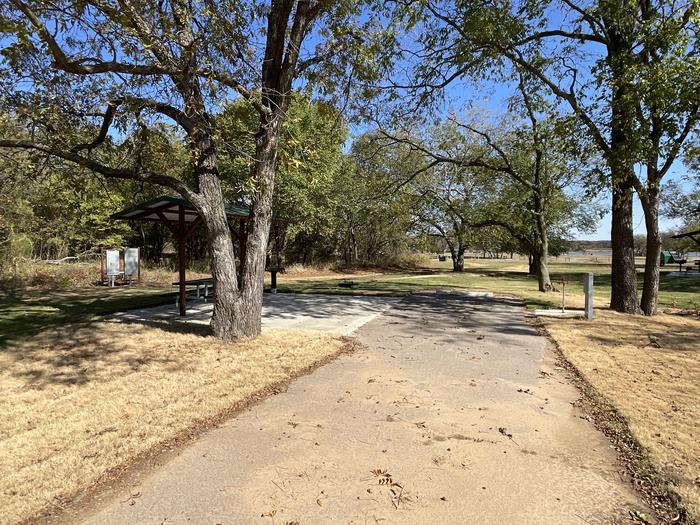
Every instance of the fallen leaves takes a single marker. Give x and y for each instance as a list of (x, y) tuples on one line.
[(396, 493), (504, 431)]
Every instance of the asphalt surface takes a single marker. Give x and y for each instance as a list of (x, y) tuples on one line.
[(455, 412)]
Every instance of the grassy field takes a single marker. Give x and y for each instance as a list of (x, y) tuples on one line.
[(82, 399), (31, 311), (649, 368), (501, 276)]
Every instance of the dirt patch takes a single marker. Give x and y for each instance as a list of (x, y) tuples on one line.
[(80, 403), (642, 383)]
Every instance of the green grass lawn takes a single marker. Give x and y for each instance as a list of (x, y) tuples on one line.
[(28, 313), (505, 277)]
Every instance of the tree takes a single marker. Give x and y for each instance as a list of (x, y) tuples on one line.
[(102, 65), (374, 223), (685, 205), (621, 66), (310, 159), (450, 198), (535, 154)]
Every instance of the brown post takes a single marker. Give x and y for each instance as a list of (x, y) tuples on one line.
[(181, 243), (102, 266), (242, 239)]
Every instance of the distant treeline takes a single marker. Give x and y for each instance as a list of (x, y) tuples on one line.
[(583, 246)]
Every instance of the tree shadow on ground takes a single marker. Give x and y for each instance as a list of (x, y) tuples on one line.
[(80, 353), (26, 316)]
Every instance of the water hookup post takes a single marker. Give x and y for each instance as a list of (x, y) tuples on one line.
[(588, 292), (563, 282)]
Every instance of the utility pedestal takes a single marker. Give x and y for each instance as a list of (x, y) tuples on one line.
[(588, 292)]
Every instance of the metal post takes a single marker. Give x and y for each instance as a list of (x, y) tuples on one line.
[(563, 296), (563, 281), (273, 287), (588, 291), (181, 243)]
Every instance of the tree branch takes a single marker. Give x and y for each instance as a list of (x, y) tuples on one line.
[(509, 228), (98, 167), (63, 62)]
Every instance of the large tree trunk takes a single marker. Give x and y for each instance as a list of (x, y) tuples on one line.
[(250, 298), (650, 289), (223, 266), (543, 281), (222, 258), (458, 262), (623, 296), (457, 253)]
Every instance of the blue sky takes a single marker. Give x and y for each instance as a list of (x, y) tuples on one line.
[(492, 96), (494, 99)]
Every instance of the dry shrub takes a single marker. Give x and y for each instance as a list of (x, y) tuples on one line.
[(26, 273)]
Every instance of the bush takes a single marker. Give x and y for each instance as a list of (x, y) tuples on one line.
[(25, 272)]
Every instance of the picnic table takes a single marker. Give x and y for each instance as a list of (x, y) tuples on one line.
[(673, 258), (200, 284), (203, 285)]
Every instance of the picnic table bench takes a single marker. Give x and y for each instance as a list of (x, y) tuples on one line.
[(199, 283), (673, 258), (208, 282)]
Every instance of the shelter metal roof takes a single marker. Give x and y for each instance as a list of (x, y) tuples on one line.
[(167, 208), (686, 234)]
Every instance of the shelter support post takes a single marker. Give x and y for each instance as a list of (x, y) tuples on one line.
[(243, 239), (182, 260)]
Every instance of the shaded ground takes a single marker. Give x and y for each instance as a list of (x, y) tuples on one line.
[(331, 313), (455, 413), (29, 313), (82, 400)]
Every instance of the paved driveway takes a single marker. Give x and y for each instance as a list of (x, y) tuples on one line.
[(454, 413), (334, 313)]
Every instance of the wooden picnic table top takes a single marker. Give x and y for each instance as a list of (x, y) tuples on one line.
[(210, 280), (206, 280)]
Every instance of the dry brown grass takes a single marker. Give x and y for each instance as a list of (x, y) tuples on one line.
[(298, 271), (649, 368), (84, 399)]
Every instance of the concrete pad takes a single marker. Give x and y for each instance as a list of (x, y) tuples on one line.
[(333, 313), (684, 275), (566, 314), (454, 413)]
